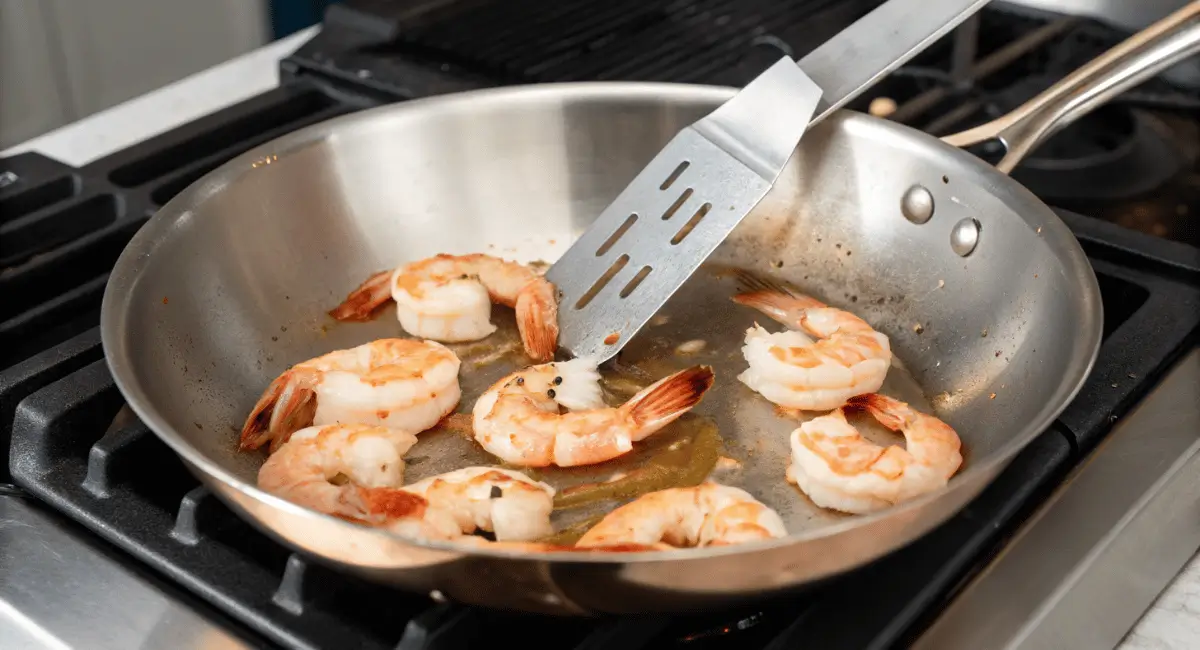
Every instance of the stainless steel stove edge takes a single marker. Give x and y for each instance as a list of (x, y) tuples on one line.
[(58, 592), (1095, 556)]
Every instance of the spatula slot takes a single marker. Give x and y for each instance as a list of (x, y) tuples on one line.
[(674, 175), (637, 279), (619, 233), (602, 282), (687, 194), (691, 224)]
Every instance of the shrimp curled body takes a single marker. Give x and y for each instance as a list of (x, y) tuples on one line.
[(457, 504), (449, 298), (709, 514), (790, 369), (396, 383), (371, 458), (518, 419), (446, 507), (840, 469)]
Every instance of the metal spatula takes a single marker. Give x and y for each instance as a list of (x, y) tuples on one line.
[(659, 230)]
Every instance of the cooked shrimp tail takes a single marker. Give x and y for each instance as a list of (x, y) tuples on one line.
[(537, 319), (891, 413), (368, 298), (662, 402), (934, 442), (286, 405), (751, 283), (783, 307)]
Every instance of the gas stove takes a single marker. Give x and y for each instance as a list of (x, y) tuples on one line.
[(107, 541)]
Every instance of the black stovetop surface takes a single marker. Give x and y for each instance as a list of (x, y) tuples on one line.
[(61, 229)]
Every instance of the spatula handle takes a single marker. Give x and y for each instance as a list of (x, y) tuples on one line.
[(878, 43)]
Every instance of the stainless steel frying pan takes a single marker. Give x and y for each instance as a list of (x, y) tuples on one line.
[(991, 306)]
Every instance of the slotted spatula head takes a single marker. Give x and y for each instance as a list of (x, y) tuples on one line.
[(708, 178), (681, 206)]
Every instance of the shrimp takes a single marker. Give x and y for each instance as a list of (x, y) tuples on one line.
[(840, 469), (448, 298), (371, 459), (397, 383), (708, 514), (457, 504), (518, 419), (791, 370)]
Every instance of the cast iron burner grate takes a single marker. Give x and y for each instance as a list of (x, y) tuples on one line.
[(1119, 152), (709, 41), (62, 229)]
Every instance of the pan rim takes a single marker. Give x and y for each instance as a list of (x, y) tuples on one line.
[(142, 246)]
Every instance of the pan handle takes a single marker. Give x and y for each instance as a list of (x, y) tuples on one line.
[(1138, 58)]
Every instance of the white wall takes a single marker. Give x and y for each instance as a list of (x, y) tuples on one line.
[(61, 60)]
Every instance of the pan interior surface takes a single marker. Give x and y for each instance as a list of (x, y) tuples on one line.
[(230, 283)]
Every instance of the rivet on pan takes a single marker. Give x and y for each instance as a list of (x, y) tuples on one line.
[(437, 596), (8, 178), (917, 204), (964, 237)]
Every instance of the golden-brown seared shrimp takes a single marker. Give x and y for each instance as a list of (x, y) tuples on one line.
[(790, 369), (840, 469), (519, 418), (397, 383), (369, 458), (705, 515), (449, 298), (457, 504)]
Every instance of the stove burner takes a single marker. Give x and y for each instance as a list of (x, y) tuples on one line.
[(1129, 162), (1113, 153)]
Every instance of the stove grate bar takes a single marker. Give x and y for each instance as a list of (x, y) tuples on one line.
[(547, 41), (37, 372), (187, 520), (442, 626), (149, 497), (290, 594), (104, 459)]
